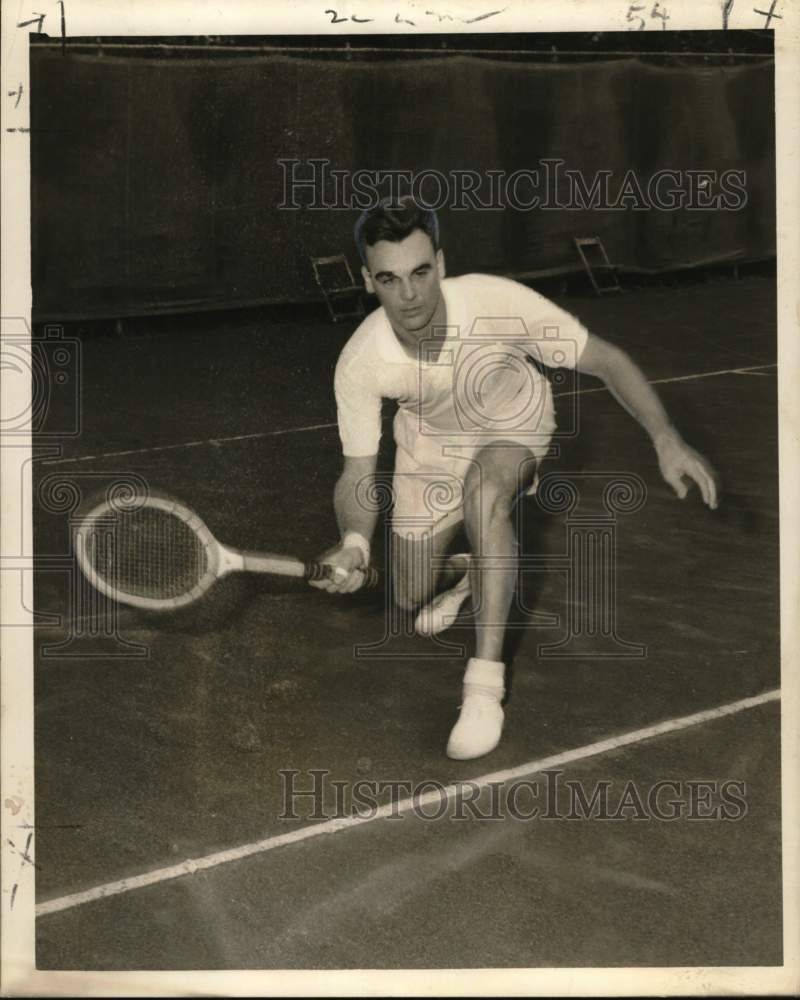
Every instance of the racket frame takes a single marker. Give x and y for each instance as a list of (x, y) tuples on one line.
[(221, 560)]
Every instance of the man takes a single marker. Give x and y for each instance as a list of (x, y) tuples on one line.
[(475, 417)]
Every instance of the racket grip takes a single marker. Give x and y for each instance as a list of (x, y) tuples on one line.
[(322, 571), (373, 577)]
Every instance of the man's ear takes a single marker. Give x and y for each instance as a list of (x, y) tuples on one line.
[(440, 263), (367, 280)]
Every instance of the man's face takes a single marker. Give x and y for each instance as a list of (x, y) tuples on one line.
[(405, 276)]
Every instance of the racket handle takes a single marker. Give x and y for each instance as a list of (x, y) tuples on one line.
[(322, 571)]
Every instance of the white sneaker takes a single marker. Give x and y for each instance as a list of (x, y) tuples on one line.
[(443, 610), (479, 725)]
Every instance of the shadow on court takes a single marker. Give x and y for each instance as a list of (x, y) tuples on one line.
[(170, 747)]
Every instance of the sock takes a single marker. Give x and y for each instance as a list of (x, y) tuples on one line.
[(484, 677)]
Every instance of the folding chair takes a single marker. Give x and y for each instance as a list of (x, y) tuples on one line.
[(336, 282), (602, 273)]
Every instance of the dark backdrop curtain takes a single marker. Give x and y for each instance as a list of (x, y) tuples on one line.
[(156, 186)]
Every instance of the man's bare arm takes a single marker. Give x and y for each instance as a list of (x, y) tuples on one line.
[(631, 389), (355, 516), (350, 494)]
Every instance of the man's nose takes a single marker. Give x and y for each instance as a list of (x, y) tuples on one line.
[(407, 291)]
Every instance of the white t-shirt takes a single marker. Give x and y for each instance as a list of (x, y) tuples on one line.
[(482, 382)]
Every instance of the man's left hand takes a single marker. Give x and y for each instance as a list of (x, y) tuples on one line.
[(676, 460)]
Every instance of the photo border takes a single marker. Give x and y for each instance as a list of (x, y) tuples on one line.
[(245, 17)]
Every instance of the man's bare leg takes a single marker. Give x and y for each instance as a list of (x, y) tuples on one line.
[(498, 475)]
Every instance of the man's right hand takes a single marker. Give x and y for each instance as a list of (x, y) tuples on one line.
[(345, 564)]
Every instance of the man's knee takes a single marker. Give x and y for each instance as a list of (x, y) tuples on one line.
[(494, 481), (487, 497)]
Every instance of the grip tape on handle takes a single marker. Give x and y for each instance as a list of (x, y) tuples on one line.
[(322, 571)]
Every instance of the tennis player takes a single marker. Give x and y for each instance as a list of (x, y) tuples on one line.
[(464, 359)]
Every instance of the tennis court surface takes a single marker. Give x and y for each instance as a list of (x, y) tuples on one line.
[(160, 840)]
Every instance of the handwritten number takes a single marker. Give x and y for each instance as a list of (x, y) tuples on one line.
[(335, 19), (633, 15), (656, 12)]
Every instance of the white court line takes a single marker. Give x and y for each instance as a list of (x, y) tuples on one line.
[(193, 865), (319, 427), (188, 444), (751, 370)]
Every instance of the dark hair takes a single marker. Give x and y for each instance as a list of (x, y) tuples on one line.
[(394, 220)]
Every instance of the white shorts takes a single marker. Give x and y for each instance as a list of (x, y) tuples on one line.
[(429, 497)]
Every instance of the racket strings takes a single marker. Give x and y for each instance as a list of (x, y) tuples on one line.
[(149, 553)]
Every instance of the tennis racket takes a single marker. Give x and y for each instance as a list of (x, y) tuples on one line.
[(152, 551)]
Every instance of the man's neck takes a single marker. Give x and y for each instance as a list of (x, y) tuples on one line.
[(433, 335)]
